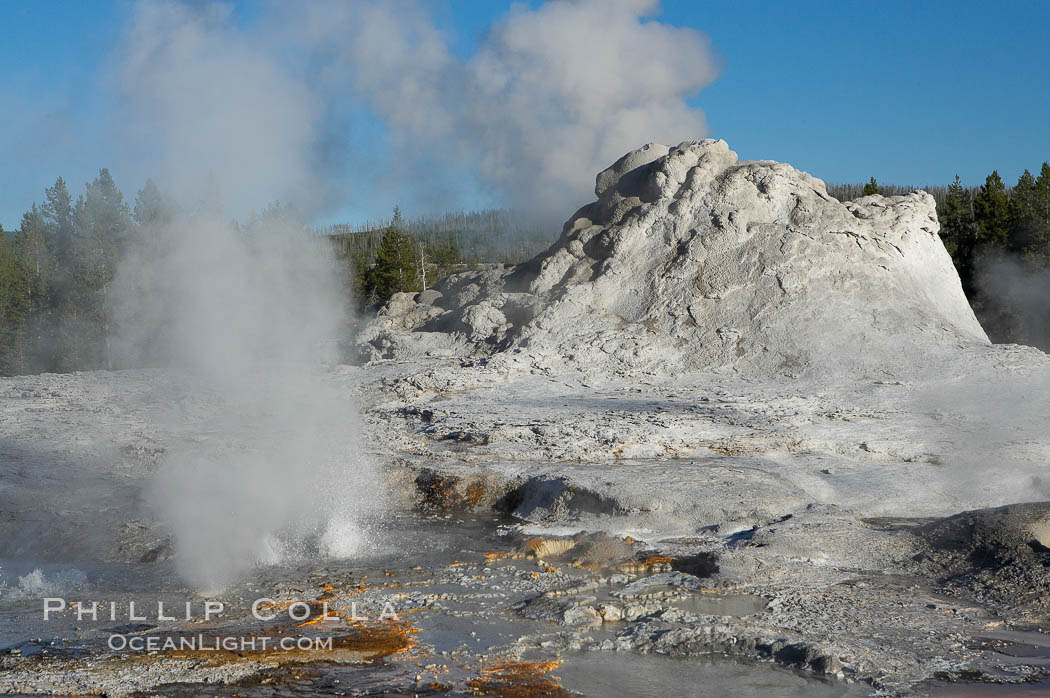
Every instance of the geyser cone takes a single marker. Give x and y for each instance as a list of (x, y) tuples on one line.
[(691, 260)]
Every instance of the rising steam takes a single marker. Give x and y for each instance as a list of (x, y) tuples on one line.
[(227, 116), (213, 113), (264, 461), (273, 109), (551, 96)]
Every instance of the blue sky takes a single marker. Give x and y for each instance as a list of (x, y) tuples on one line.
[(908, 92)]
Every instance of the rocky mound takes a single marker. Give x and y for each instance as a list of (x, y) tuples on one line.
[(692, 260), (999, 555)]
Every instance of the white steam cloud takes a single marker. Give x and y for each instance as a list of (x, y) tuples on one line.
[(1022, 287), (551, 96), (214, 111), (264, 460)]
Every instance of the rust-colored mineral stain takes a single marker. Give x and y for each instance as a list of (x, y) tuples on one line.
[(656, 560), (540, 547), (647, 565), (362, 642), (518, 679), (475, 491)]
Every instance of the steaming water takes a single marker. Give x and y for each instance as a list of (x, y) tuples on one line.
[(263, 459), (476, 626), (410, 541), (275, 472), (25, 584)]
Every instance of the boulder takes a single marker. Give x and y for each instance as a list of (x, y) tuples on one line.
[(428, 297), (991, 538)]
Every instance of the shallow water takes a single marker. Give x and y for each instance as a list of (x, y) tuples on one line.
[(979, 690), (653, 676), (592, 674), (458, 641), (736, 605)]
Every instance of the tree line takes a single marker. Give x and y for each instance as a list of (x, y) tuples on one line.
[(484, 236), (56, 271), (407, 256), (388, 260)]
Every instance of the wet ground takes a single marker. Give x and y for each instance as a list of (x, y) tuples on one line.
[(457, 585)]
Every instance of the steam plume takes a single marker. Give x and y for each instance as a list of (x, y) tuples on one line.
[(551, 96), (213, 111), (264, 461), (1021, 287)]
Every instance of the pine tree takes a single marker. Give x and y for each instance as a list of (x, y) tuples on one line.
[(872, 187), (13, 308), (1042, 211), (992, 212), (152, 208), (959, 232), (58, 213), (37, 265), (103, 225), (445, 255), (394, 270), (61, 232), (32, 252), (1023, 215)]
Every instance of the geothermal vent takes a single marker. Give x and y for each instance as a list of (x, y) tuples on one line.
[(691, 260)]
